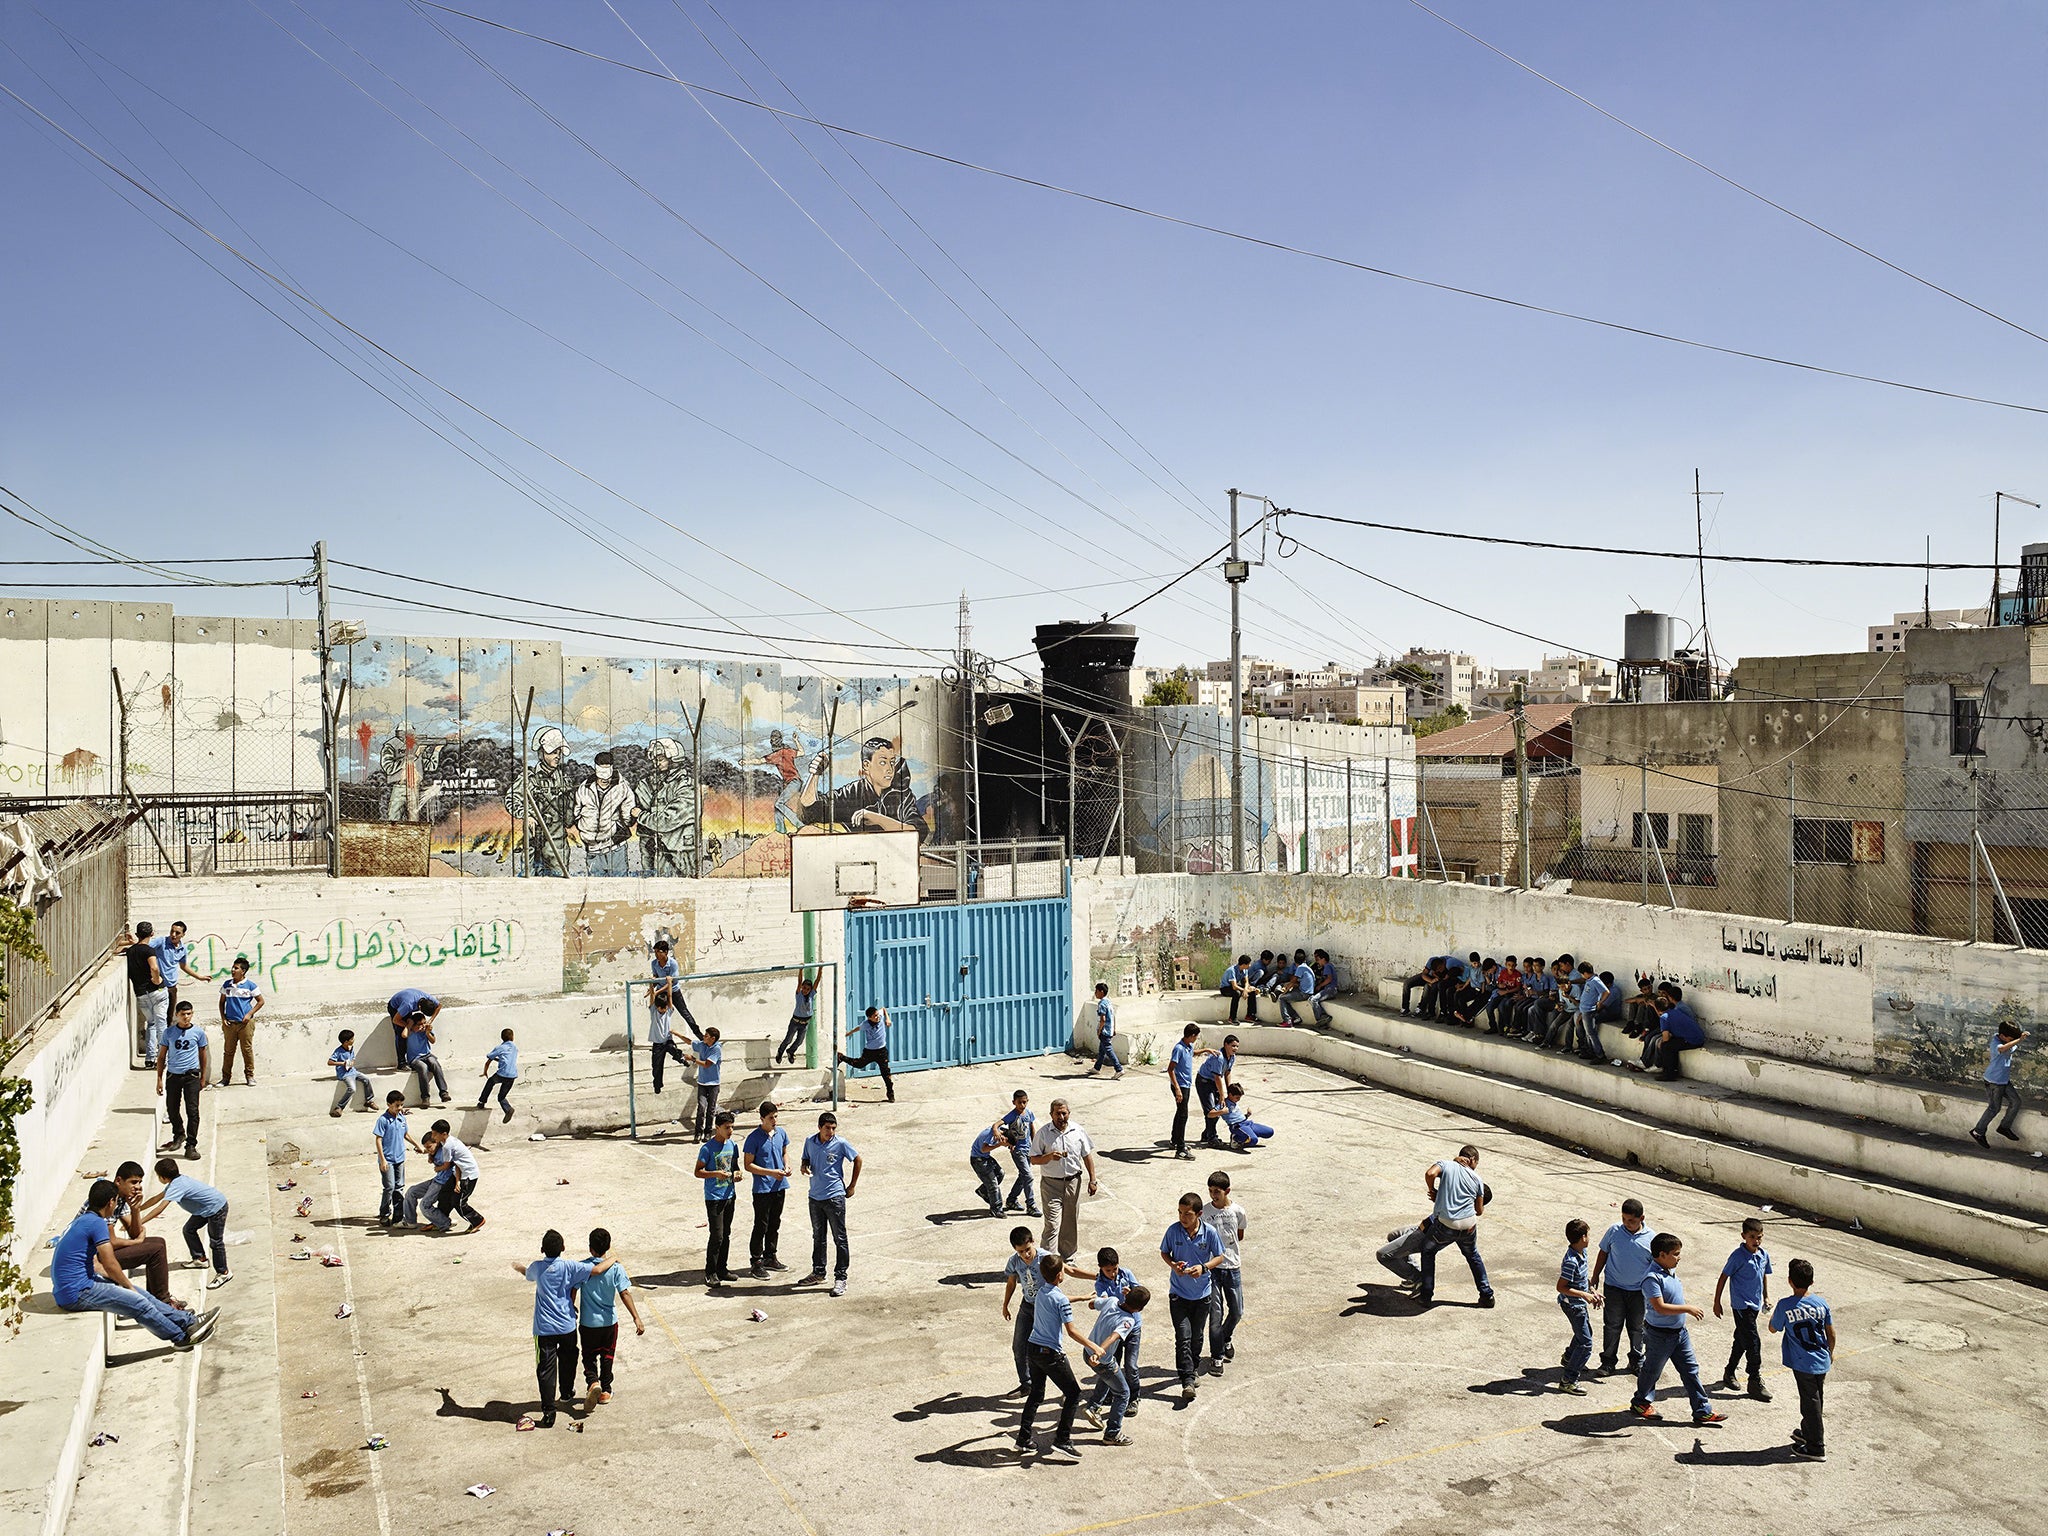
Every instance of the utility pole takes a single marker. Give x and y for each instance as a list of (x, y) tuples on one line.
[(1235, 572), (1927, 584), (1522, 786), (968, 678), (1699, 534), (329, 727)]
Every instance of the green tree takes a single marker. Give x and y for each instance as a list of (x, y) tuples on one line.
[(17, 946), (1442, 720), (1177, 687)]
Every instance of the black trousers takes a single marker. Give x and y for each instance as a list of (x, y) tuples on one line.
[(792, 1038), (717, 1247), (554, 1362), (1811, 1389), (1429, 991), (504, 1087), (1190, 1317), (181, 1105), (1180, 1122), (599, 1346), (1623, 1308), (1051, 1365), (216, 1229), (767, 1228), (661, 1053), (1668, 1052), (874, 1059), (1251, 1005), (455, 1197), (1747, 1345), (1207, 1090)]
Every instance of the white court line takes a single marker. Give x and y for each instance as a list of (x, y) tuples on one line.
[(355, 1343), (192, 1389)]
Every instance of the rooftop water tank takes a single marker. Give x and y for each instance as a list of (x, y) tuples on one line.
[(1646, 636)]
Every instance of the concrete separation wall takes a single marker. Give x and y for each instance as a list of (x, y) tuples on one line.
[(77, 1064), (1866, 1002)]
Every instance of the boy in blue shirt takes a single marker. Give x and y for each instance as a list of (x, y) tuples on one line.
[(1191, 1248), (988, 1173), (1574, 1296), (709, 1056), (717, 1161), (241, 999), (1020, 1272), (1241, 985), (1111, 1279), (1180, 1077), (1113, 1350), (419, 1056), (182, 1067), (1245, 1132), (597, 1319), (1018, 1127), (85, 1276), (1105, 1034), (1745, 1278), (1998, 1089), (800, 1014), (1624, 1258), (1592, 991), (765, 1157), (874, 1047), (426, 1196), (662, 1000), (826, 1158), (555, 1281), (1054, 1316), (1665, 1339), (205, 1207), (1459, 1199), (392, 1138), (501, 1070), (1809, 1350), (1211, 1079), (346, 1078)]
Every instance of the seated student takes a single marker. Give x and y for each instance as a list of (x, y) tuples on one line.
[(1290, 994), (1639, 1014), (1680, 1030), (1539, 996), (1430, 978), (1326, 983), (1245, 1132), (1504, 1002), (1564, 1018), (1263, 973), (1610, 1009), (1241, 988), (1462, 1002), (86, 1277)]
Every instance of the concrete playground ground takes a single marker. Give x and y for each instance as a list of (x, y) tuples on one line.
[(1347, 1409)]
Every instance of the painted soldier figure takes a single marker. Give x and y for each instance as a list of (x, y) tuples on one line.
[(879, 800), (545, 799), (667, 801)]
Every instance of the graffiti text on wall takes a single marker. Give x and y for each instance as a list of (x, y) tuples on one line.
[(274, 951), (1810, 948)]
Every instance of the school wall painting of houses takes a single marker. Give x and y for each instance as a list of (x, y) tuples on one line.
[(526, 761)]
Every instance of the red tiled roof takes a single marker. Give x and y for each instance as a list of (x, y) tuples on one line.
[(1494, 736)]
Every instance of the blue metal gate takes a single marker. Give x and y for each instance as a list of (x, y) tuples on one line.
[(981, 981)]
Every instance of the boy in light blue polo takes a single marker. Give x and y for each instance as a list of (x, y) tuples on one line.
[(834, 1168), (1574, 1296), (501, 1071), (1105, 1034), (597, 1319), (392, 1138), (346, 1078), (709, 1055), (555, 1282), (1180, 1077), (988, 1173), (1665, 1339), (1111, 1279), (1998, 1089), (1624, 1258), (1019, 1125), (1745, 1279), (206, 1209), (1113, 1349), (1191, 1249)]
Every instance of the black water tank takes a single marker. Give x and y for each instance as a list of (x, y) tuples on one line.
[(1087, 663)]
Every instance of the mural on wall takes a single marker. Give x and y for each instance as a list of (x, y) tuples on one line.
[(525, 761), (1948, 1039)]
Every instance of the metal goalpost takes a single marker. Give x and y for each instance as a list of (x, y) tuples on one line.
[(795, 970)]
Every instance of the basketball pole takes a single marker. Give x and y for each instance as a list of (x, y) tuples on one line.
[(811, 958), (632, 1103)]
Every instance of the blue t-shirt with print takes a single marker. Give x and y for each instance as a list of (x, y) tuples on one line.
[(1804, 1322), (721, 1158)]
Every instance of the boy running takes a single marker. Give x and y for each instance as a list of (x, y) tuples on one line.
[(1809, 1350), (389, 1134), (597, 1319), (1105, 1034), (501, 1069)]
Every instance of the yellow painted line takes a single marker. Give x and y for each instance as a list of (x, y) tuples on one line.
[(1299, 1482), (732, 1423)]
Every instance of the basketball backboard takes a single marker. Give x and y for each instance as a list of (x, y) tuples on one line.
[(833, 871)]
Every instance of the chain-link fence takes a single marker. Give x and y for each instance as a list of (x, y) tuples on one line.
[(81, 844)]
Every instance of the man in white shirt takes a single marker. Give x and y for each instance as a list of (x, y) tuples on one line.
[(1062, 1151)]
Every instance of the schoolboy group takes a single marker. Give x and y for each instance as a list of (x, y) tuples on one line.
[(1632, 1278)]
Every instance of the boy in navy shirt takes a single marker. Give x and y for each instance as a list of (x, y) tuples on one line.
[(346, 1078), (501, 1070), (1574, 1296), (555, 1282), (1809, 1329), (717, 1160), (205, 1207), (1105, 1034), (392, 1138), (1665, 1339), (1745, 1278)]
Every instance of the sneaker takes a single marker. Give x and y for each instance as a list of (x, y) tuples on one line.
[(603, 1396), (2004, 1130), (1802, 1452), (1092, 1414), (776, 1264), (812, 1278), (1116, 1437), (474, 1226), (1230, 1351), (191, 1149), (1727, 1382), (1215, 1367), (335, 1113), (220, 1279), (1023, 1445), (546, 1420), (202, 1326), (1572, 1387), (1703, 1420), (1645, 1411), (838, 1287), (508, 1113), (1978, 1137), (757, 1272), (1759, 1391), (590, 1398), (1486, 1300), (1061, 1451)]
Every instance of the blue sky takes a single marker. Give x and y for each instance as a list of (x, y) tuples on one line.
[(148, 402)]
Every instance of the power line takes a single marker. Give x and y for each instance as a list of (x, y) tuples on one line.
[(1525, 305), (1642, 554), (1747, 191)]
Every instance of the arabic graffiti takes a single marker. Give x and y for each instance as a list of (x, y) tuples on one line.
[(1801, 950), (1729, 979), (276, 951)]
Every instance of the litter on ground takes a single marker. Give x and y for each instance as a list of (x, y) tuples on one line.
[(375, 1443), (479, 1490), (344, 1310), (104, 1438)]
